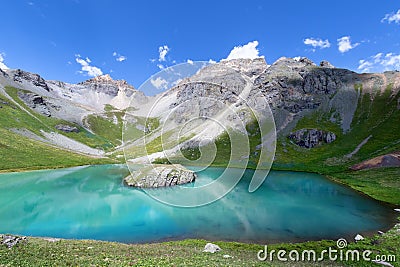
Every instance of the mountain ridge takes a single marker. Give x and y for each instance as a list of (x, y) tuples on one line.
[(297, 90)]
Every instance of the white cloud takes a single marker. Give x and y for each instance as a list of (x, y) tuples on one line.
[(162, 50), (2, 65), (159, 83), (248, 50), (380, 62), (190, 61), (317, 42), (86, 69), (392, 17), (119, 57), (344, 44), (160, 66)]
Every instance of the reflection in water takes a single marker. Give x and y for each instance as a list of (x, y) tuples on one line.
[(91, 202)]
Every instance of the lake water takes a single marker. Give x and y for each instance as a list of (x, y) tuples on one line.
[(92, 203)]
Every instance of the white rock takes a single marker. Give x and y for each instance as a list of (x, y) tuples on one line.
[(398, 210), (384, 263), (212, 248), (226, 256), (358, 237), (380, 232)]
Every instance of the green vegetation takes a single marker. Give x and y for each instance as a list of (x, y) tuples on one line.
[(21, 153), (376, 115), (382, 184), (35, 122), (40, 252)]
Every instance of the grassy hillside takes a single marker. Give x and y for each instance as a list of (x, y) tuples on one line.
[(39, 122), (20, 153), (377, 116)]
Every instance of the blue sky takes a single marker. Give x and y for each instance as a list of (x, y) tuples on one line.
[(71, 40)]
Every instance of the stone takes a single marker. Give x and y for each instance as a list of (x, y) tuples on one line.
[(33, 78), (105, 84), (36, 102), (398, 210), (67, 128), (380, 232), (310, 138), (211, 248), (358, 237), (158, 175), (326, 64), (226, 256), (10, 241)]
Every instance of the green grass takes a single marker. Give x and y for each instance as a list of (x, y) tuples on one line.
[(39, 122), (39, 252), (20, 153), (382, 183), (376, 115)]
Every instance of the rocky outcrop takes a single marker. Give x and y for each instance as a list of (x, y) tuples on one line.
[(249, 67), (310, 138), (33, 78), (160, 176), (3, 73), (35, 102), (10, 241), (105, 84), (298, 84), (388, 160), (326, 64), (67, 128)]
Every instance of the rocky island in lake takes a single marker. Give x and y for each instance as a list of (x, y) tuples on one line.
[(153, 176)]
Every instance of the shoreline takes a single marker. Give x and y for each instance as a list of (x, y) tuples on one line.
[(253, 242)]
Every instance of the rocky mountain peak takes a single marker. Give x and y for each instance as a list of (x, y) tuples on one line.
[(106, 84), (22, 76), (249, 67)]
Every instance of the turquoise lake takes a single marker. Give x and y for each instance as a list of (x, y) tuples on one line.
[(91, 202)]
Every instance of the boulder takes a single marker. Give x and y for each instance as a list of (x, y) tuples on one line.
[(310, 138), (10, 241), (211, 248), (36, 102), (358, 237), (158, 175), (67, 128)]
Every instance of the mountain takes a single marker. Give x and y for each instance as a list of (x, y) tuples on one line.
[(326, 118)]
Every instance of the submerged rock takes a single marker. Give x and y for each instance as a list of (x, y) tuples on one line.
[(154, 176)]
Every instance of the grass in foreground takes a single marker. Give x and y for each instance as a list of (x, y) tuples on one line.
[(40, 252)]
